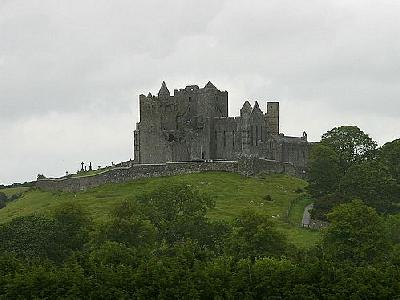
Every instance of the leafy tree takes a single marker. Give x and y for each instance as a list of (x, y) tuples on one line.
[(128, 227), (30, 236), (269, 278), (356, 234), (72, 225), (372, 182), (389, 154), (170, 274), (324, 171), (351, 144), (44, 237), (43, 280), (216, 278), (177, 211), (324, 204), (392, 223), (113, 268), (255, 235)]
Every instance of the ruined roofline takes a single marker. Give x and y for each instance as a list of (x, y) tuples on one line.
[(164, 92)]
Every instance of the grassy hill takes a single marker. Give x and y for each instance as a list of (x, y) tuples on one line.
[(232, 193)]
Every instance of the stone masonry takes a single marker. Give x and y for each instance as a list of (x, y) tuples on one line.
[(194, 125), (245, 167), (191, 132)]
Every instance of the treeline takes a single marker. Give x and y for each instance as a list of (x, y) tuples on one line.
[(347, 165), (161, 245)]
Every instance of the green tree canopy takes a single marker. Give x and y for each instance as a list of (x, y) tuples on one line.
[(372, 182), (324, 171), (350, 143), (127, 227), (255, 235), (53, 238), (178, 212), (356, 234), (389, 154)]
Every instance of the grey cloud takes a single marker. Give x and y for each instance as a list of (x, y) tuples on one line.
[(71, 71)]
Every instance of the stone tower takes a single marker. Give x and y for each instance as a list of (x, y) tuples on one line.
[(193, 124)]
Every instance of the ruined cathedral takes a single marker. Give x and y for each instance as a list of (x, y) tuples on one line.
[(193, 125)]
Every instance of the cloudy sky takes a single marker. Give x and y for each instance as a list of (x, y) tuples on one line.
[(71, 71)]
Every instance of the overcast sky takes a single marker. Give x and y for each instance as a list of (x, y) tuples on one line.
[(71, 71)]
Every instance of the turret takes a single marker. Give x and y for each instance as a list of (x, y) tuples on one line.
[(256, 110), (209, 85), (246, 109), (163, 92)]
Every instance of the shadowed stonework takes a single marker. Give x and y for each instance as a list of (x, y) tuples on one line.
[(191, 132), (193, 124)]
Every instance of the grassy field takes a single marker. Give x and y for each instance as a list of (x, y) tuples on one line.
[(13, 191), (232, 193)]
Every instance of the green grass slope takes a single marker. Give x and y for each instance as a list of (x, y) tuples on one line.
[(232, 193), (13, 191)]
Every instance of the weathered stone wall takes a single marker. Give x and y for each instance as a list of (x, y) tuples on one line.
[(193, 124), (246, 167)]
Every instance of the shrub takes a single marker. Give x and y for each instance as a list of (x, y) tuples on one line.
[(268, 198), (2, 203)]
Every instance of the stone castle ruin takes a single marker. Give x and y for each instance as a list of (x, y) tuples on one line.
[(191, 132), (193, 125)]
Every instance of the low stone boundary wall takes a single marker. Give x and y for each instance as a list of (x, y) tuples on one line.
[(246, 167)]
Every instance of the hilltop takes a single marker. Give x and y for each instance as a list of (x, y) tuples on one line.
[(232, 193)]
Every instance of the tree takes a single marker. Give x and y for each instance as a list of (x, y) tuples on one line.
[(30, 236), (372, 182), (177, 211), (389, 155), (72, 224), (45, 237), (351, 144), (127, 227), (324, 171), (324, 204), (356, 234), (255, 235)]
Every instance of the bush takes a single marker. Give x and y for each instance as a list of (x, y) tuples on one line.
[(44, 237), (268, 198), (3, 199), (2, 203), (15, 197), (299, 191), (255, 235)]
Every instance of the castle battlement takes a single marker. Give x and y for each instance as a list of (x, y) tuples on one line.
[(193, 124)]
